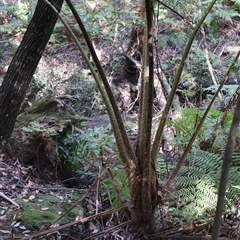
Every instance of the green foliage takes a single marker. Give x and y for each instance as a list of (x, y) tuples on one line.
[(21, 11), (214, 131), (105, 20), (44, 210), (173, 31), (228, 90), (198, 180), (75, 82), (19, 15), (176, 38), (163, 168), (38, 126), (34, 126), (196, 65), (87, 97), (121, 180), (197, 187), (77, 148), (194, 9), (196, 72)]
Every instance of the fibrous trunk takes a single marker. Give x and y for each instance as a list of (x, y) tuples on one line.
[(143, 192)]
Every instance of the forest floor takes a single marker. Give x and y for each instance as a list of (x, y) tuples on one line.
[(30, 205)]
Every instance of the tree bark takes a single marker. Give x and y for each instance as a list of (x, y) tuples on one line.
[(23, 66), (227, 160)]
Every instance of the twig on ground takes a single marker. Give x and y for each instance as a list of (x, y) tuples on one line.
[(9, 199)]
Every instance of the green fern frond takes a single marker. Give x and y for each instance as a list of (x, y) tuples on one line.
[(197, 185), (163, 41), (121, 180), (163, 167), (185, 181), (236, 159), (227, 15), (178, 38), (192, 170), (205, 160)]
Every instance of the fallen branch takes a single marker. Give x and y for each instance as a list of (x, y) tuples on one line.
[(9, 199)]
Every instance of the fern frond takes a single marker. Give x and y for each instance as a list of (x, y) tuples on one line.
[(163, 41), (197, 185), (178, 38), (227, 15), (185, 181), (121, 180)]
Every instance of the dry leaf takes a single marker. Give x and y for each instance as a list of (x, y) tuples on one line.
[(4, 217), (30, 183), (13, 223), (5, 231), (44, 209), (17, 224), (31, 197)]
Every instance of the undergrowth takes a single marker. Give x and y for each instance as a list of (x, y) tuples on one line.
[(121, 180), (82, 150), (213, 134), (197, 187)]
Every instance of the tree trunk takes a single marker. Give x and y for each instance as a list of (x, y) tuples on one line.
[(227, 160), (23, 66), (144, 199), (143, 181)]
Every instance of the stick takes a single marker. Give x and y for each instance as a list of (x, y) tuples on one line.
[(8, 199)]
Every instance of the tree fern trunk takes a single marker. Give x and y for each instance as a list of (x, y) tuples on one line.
[(143, 201), (143, 181)]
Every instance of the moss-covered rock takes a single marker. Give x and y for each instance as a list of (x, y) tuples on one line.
[(44, 210)]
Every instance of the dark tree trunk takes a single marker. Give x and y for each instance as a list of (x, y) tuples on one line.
[(143, 180), (23, 66), (144, 199)]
